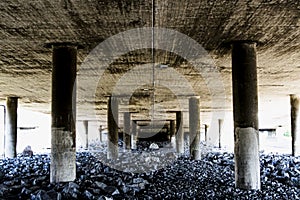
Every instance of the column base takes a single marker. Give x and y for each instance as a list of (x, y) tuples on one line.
[(63, 156), (246, 151)]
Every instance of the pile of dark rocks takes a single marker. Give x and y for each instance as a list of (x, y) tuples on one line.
[(210, 178)]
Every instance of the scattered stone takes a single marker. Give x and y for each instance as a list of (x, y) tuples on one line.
[(88, 195), (153, 146), (42, 195), (111, 190), (27, 151), (100, 185), (210, 178)]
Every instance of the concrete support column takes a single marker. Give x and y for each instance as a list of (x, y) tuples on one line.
[(11, 127), (138, 130), (86, 131), (127, 131), (194, 119), (205, 132), (295, 123), (134, 135), (172, 129), (100, 133), (112, 123), (179, 132), (245, 109), (220, 123), (63, 135)]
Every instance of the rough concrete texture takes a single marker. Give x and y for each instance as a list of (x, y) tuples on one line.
[(194, 119), (247, 174), (63, 166), (26, 26), (11, 127), (295, 122)]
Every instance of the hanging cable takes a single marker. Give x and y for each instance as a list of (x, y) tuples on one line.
[(153, 60)]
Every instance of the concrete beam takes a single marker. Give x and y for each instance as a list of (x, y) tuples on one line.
[(11, 127), (295, 123), (194, 120), (63, 135), (245, 109)]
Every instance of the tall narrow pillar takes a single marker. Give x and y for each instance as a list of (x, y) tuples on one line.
[(100, 133), (295, 122), (11, 127), (245, 109), (134, 134), (220, 123), (86, 131), (179, 132), (63, 135), (205, 132), (112, 123), (172, 129), (127, 133), (194, 119)]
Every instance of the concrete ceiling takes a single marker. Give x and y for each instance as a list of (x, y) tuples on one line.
[(25, 64)]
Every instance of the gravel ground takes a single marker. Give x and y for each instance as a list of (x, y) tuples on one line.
[(210, 178)]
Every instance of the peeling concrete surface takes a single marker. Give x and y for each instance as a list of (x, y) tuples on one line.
[(247, 158)]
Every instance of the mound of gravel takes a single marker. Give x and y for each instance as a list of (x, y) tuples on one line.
[(210, 178)]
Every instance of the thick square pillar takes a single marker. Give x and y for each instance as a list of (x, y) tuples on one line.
[(11, 127), (179, 132), (194, 120), (245, 109), (63, 135), (112, 123), (295, 123), (127, 130)]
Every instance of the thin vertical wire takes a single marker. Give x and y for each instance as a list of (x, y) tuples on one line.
[(153, 60)]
